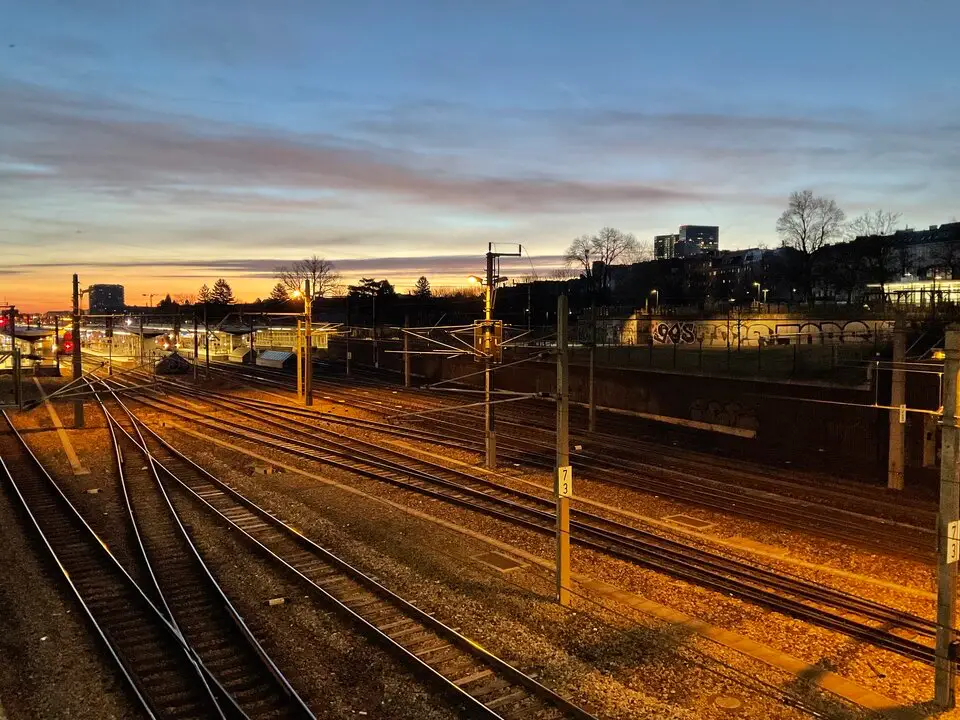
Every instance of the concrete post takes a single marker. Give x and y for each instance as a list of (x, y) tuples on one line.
[(77, 361), (406, 353), (299, 348), (563, 456), (489, 417), (206, 339), (308, 343), (895, 461), (592, 398), (196, 346), (948, 520)]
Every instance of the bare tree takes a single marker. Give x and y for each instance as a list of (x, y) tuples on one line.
[(612, 246), (607, 247), (322, 274), (643, 252), (562, 274), (580, 255), (808, 224), (947, 257), (876, 223)]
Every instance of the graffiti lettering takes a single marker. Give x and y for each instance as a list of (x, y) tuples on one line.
[(753, 331), (675, 333)]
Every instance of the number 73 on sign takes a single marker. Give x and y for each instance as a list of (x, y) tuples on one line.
[(564, 481)]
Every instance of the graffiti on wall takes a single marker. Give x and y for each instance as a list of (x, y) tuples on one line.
[(689, 333), (676, 333), (731, 414), (766, 332)]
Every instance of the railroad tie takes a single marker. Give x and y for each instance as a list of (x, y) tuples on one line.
[(473, 678)]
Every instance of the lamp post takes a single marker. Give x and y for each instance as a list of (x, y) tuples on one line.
[(305, 359), (656, 299), (150, 296)]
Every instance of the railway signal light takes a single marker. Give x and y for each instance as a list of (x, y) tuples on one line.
[(488, 340)]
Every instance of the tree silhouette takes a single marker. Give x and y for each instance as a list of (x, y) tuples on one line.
[(809, 222), (222, 294), (279, 293), (368, 287), (323, 276), (422, 288), (204, 295)]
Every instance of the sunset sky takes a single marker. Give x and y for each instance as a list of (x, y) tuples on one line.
[(165, 144)]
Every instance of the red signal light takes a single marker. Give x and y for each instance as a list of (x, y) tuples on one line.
[(67, 346)]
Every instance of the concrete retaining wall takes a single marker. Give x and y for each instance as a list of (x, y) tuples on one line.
[(791, 426)]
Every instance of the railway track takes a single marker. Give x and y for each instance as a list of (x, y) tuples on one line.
[(193, 601), (688, 483), (619, 435), (166, 678), (787, 594), (480, 683)]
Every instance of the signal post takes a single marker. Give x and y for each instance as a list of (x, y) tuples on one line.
[(563, 481), (948, 526), (77, 362)]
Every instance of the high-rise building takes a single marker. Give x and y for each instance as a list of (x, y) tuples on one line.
[(106, 299), (664, 245), (698, 240), (692, 240)]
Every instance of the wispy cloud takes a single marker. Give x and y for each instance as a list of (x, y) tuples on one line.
[(79, 141), (266, 267)]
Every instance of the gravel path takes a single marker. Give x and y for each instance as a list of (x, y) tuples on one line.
[(336, 670), (616, 670)]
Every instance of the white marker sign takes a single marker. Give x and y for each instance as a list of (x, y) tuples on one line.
[(953, 542), (565, 481)]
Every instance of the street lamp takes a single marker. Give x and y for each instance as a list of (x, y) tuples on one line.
[(656, 299), (305, 355)]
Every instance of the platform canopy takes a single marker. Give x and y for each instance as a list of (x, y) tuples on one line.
[(147, 332), (30, 334), (239, 329)]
